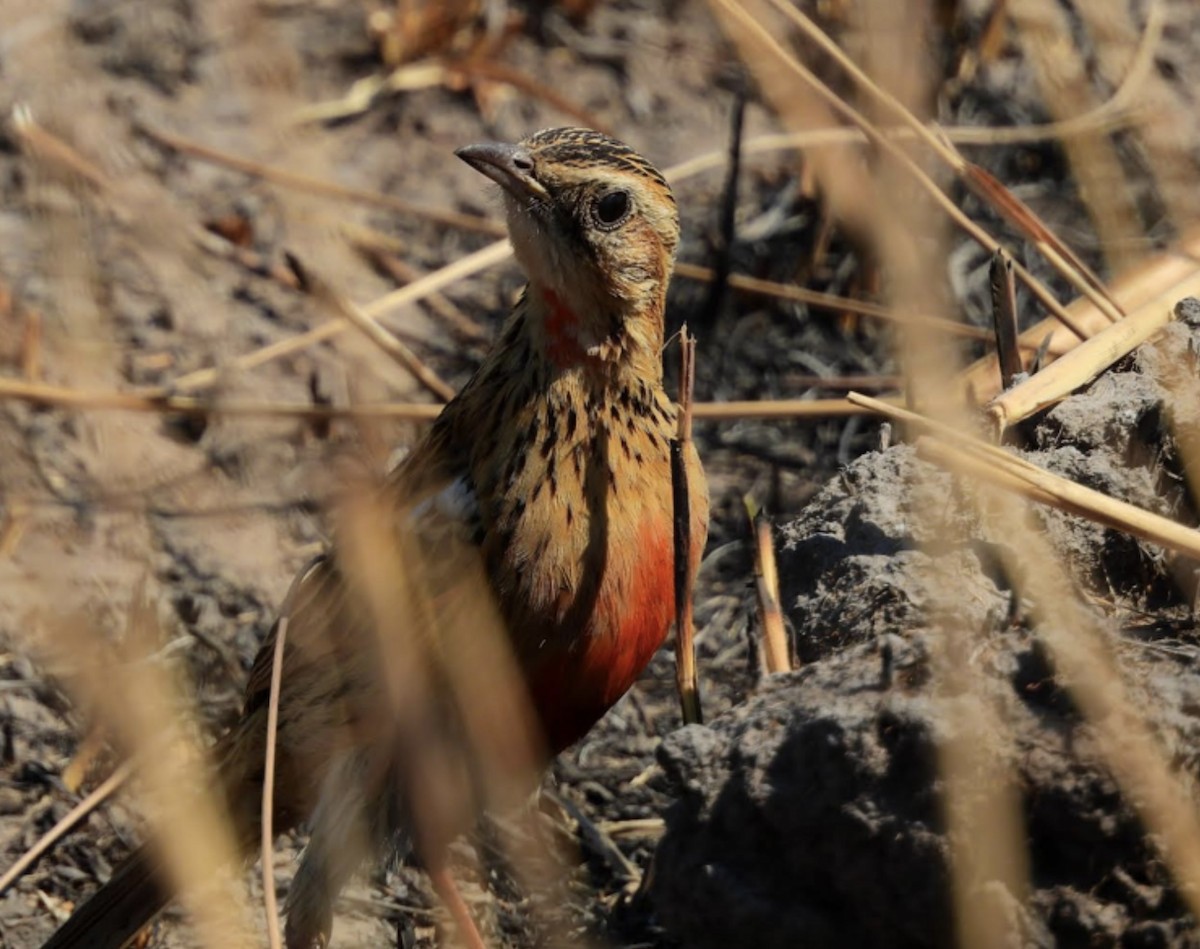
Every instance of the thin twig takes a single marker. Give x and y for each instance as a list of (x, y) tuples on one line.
[(685, 645), (830, 301), (718, 288), (69, 820), (267, 843)]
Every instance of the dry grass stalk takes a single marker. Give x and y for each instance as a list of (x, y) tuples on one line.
[(67, 823), (1113, 113), (156, 401), (1056, 251), (140, 703), (383, 251), (1069, 264), (685, 632), (159, 402), (1066, 85), (759, 47), (977, 795), (320, 290), (1078, 367), (491, 70), (1112, 26), (776, 655), (47, 147), (776, 408), (464, 731), (1048, 488), (1001, 198), (846, 185), (415, 291)]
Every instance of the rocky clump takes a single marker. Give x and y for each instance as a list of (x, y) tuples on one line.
[(812, 815)]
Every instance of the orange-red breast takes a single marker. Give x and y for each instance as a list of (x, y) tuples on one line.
[(553, 464)]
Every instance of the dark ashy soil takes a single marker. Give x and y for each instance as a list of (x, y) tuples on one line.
[(806, 813)]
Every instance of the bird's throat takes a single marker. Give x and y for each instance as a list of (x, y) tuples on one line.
[(562, 324)]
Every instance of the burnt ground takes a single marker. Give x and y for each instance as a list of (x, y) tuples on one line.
[(209, 520)]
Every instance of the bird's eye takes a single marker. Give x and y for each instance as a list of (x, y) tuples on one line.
[(611, 209)]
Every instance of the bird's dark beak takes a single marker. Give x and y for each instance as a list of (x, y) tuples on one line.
[(510, 166)]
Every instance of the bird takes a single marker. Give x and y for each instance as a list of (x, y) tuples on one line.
[(548, 477)]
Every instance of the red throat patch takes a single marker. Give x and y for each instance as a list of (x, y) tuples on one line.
[(562, 332)]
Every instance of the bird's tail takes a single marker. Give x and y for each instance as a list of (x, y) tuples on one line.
[(115, 913)]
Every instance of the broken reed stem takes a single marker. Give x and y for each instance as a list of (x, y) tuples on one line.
[(685, 645), (267, 844), (1004, 314), (1157, 283), (1077, 368), (71, 819), (776, 655), (1038, 484)]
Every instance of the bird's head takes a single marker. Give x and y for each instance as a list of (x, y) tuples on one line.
[(595, 227)]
